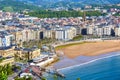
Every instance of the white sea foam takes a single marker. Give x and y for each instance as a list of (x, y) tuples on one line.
[(94, 60)]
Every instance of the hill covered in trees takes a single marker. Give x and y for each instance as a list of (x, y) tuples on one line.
[(58, 14), (12, 5), (69, 3)]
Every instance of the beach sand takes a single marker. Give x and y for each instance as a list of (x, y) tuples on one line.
[(91, 48)]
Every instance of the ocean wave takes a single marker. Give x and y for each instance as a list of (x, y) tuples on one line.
[(94, 60)]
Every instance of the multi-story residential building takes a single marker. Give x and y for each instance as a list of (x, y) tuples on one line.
[(84, 31), (65, 33), (31, 34), (47, 34), (7, 60), (25, 35), (27, 53), (7, 51), (41, 35), (99, 31), (117, 31), (6, 40), (7, 55), (37, 34), (107, 31), (90, 30), (18, 36), (78, 29)]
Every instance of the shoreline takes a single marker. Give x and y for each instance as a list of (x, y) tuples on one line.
[(112, 49), (88, 48), (91, 61)]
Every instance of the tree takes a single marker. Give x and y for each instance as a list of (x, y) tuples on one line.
[(24, 78), (78, 78), (5, 71), (29, 78), (8, 9), (43, 78), (9, 69), (58, 14), (78, 37), (55, 77), (3, 75)]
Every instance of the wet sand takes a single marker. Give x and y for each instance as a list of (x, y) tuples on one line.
[(91, 48), (67, 63)]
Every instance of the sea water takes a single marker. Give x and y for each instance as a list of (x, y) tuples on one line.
[(102, 69)]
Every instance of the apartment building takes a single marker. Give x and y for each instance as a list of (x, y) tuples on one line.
[(7, 56), (65, 33), (47, 34), (117, 31), (90, 30), (27, 53), (6, 40), (7, 60), (107, 31)]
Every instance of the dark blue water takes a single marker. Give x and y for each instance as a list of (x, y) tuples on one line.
[(104, 69)]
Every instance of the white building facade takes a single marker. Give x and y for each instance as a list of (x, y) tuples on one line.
[(65, 33)]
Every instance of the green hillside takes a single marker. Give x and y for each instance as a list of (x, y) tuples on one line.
[(59, 14), (11, 5)]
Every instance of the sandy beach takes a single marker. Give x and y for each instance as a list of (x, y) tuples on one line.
[(91, 48)]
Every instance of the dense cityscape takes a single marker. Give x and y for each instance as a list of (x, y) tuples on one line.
[(28, 39)]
